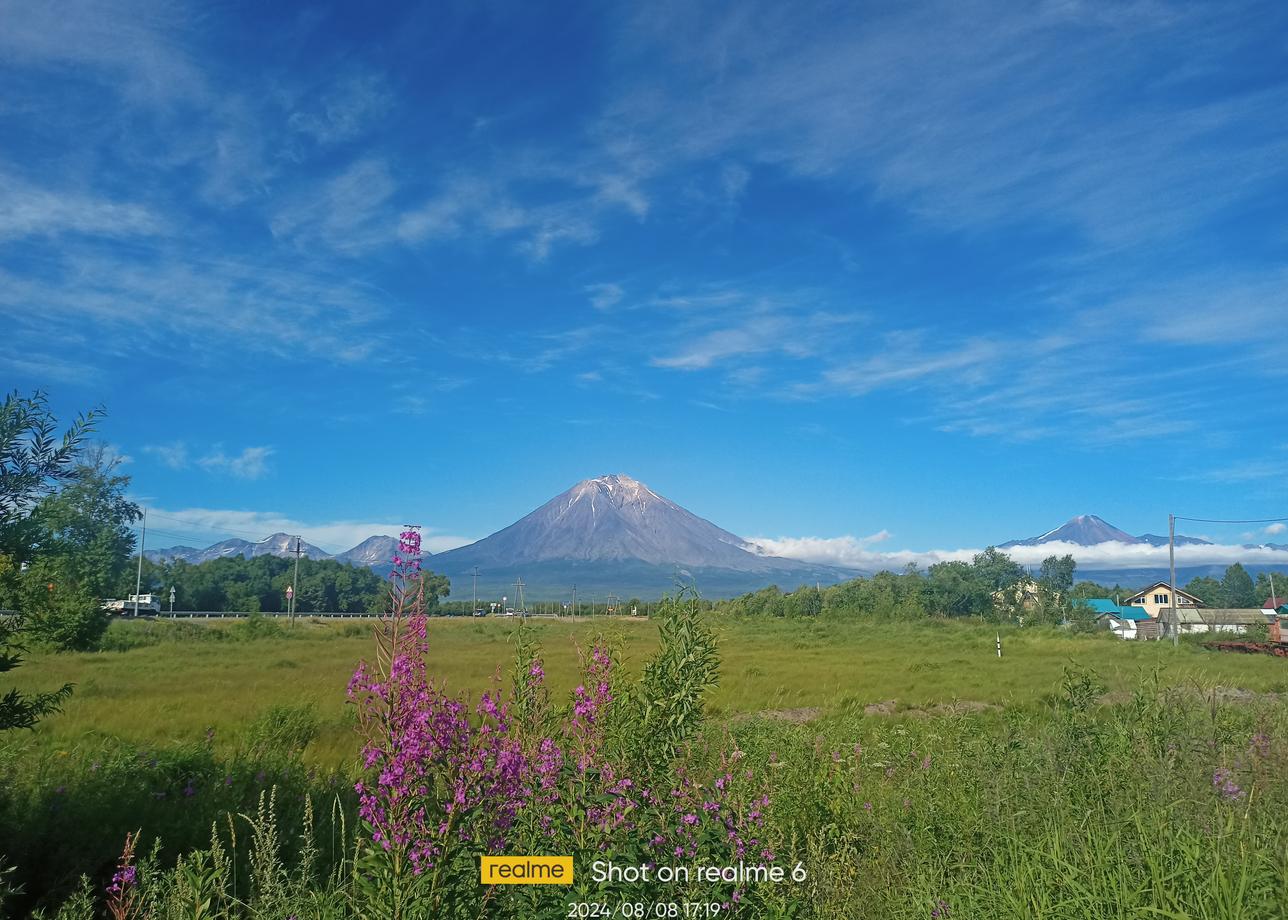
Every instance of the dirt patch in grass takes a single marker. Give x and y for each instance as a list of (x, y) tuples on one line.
[(796, 716), (954, 708)]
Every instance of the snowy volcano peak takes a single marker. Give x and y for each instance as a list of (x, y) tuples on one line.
[(612, 518), (616, 488), (1083, 530)]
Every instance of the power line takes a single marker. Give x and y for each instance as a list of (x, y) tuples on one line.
[(1245, 521)]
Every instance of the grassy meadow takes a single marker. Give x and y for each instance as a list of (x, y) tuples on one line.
[(177, 689), (908, 768)]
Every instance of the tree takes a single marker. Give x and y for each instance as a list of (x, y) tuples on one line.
[(84, 542), (1237, 589), (1271, 586), (954, 590), (32, 462), (1056, 575), (995, 570), (1206, 589)]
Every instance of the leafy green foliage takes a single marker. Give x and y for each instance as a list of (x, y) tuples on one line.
[(32, 462), (670, 694), (1237, 589), (259, 585), (990, 585)]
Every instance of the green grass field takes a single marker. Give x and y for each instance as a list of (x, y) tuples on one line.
[(913, 772), (174, 692)]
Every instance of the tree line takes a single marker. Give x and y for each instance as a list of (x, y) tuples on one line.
[(991, 585), (258, 585)]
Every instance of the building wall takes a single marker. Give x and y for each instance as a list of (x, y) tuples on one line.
[(1158, 601)]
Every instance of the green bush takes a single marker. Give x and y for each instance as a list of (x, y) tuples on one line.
[(124, 635), (256, 626), (282, 731)]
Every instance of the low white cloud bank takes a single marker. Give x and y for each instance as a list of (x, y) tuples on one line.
[(200, 527), (857, 553)]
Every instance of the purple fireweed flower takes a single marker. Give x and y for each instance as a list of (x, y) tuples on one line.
[(1223, 782)]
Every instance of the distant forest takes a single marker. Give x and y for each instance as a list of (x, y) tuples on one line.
[(992, 585), (259, 584)]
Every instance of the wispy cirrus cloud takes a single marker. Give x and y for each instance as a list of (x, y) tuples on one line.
[(146, 299), (248, 463), (31, 210), (857, 103), (604, 295), (173, 455)]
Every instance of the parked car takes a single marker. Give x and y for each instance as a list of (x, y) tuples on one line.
[(135, 604)]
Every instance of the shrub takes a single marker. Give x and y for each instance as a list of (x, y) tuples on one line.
[(281, 731), (256, 626)]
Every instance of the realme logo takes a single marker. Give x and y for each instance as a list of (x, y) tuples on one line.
[(526, 870)]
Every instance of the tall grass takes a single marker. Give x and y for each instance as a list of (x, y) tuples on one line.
[(1119, 790)]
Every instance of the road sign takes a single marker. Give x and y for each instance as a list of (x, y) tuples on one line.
[(172, 594), (290, 592)]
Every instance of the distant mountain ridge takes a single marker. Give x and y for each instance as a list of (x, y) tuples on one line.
[(1091, 530), (373, 551)]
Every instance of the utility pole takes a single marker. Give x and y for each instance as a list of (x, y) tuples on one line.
[(138, 579), (295, 583), (1171, 560), (475, 573), (518, 596), (172, 602), (574, 600)]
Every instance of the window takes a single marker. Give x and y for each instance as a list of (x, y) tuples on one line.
[(1160, 598)]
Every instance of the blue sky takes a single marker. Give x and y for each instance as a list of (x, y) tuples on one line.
[(915, 275)]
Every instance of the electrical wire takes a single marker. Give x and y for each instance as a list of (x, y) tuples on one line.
[(1220, 521)]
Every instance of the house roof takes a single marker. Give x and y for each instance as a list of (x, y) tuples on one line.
[(1162, 584), (1274, 603), (1218, 616), (1127, 613), (1104, 607), (1102, 604)]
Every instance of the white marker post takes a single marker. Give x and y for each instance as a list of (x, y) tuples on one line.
[(999, 645)]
